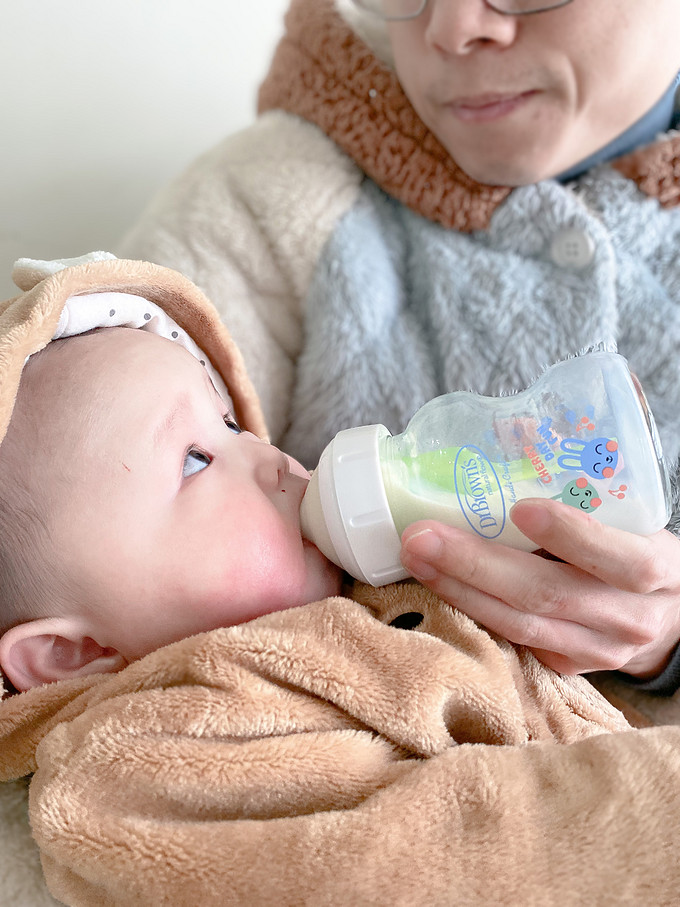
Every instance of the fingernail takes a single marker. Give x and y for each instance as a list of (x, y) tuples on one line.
[(425, 545), (420, 570), (419, 549)]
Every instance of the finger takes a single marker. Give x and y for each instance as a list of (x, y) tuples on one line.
[(535, 585), (620, 559), (435, 553), (564, 645)]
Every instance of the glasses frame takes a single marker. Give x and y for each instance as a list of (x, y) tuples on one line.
[(489, 3)]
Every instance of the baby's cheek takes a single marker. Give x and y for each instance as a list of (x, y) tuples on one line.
[(323, 577), (268, 572)]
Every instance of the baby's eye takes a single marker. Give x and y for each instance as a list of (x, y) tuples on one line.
[(231, 423), (194, 462)]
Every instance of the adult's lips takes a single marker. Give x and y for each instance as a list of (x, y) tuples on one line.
[(488, 106)]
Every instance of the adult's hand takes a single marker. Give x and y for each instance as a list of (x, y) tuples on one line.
[(611, 601)]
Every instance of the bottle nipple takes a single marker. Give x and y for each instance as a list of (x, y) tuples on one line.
[(312, 521)]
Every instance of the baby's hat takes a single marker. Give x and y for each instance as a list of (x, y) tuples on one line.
[(68, 297)]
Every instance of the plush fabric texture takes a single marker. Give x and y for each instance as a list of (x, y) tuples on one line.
[(593, 820), (324, 756)]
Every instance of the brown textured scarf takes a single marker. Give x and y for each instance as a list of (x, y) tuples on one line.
[(324, 73)]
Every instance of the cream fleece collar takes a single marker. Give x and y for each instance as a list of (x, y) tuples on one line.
[(30, 321)]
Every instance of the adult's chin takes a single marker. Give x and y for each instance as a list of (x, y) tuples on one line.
[(489, 166), (517, 150)]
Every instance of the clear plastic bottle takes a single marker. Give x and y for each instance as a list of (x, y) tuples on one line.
[(582, 433)]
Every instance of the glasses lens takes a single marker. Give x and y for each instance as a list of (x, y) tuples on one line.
[(409, 9), (522, 7), (393, 9)]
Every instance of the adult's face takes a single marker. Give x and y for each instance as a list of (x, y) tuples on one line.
[(515, 99)]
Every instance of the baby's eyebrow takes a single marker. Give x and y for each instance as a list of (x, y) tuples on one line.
[(228, 403), (213, 390), (166, 425)]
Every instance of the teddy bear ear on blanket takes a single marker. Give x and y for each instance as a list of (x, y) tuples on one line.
[(69, 296)]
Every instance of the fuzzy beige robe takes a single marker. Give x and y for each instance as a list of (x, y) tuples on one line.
[(330, 754)]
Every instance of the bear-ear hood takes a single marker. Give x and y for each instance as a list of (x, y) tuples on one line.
[(61, 299)]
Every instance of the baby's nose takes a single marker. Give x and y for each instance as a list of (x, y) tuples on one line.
[(270, 465)]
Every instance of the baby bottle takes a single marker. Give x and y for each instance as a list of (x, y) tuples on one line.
[(582, 434)]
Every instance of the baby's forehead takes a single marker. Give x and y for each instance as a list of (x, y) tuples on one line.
[(109, 346), (109, 361), (77, 398), (73, 382), (85, 360), (113, 309)]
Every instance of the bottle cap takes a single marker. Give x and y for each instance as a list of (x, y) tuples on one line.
[(345, 511)]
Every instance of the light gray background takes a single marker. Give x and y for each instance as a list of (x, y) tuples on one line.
[(104, 100)]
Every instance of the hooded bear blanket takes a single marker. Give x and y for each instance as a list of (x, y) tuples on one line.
[(379, 748)]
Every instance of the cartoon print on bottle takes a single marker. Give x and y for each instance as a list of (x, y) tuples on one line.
[(579, 493), (597, 457)]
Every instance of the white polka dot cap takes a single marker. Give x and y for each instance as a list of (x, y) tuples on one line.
[(127, 310), (71, 296)]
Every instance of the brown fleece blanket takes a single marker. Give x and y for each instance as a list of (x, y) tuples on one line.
[(322, 756), (375, 749)]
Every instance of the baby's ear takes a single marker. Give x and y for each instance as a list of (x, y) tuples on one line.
[(54, 648)]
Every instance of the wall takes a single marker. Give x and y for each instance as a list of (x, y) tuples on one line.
[(105, 100)]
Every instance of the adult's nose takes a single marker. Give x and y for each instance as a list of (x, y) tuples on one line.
[(456, 27)]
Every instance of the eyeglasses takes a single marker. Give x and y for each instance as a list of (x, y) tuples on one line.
[(399, 10)]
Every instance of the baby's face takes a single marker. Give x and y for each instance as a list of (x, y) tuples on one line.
[(518, 99), (171, 520)]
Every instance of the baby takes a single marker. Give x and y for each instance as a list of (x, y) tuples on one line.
[(135, 512)]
